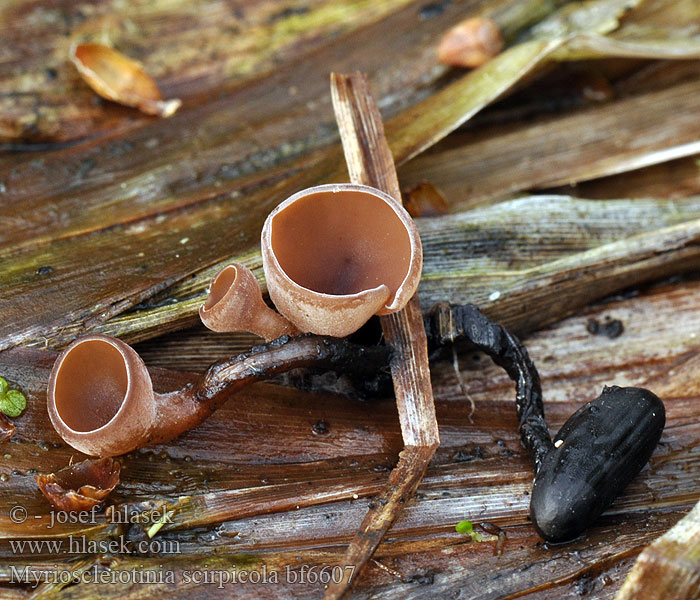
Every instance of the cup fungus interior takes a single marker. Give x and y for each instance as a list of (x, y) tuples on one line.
[(90, 385), (221, 284), (341, 243)]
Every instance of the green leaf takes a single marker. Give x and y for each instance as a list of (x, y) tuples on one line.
[(464, 527), (13, 403), (3, 385)]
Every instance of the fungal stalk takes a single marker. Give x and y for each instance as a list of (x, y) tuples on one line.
[(235, 303), (101, 399)]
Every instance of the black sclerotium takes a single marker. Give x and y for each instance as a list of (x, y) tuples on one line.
[(595, 455), (597, 452)]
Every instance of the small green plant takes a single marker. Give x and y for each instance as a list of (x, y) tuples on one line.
[(467, 528), (12, 402)]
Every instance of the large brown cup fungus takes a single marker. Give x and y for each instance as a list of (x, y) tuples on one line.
[(235, 303), (334, 255)]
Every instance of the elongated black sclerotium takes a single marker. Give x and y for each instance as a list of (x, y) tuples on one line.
[(596, 453), (603, 447)]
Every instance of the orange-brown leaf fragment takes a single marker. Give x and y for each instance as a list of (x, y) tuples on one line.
[(81, 486), (470, 43), (425, 200), (7, 428), (120, 79)]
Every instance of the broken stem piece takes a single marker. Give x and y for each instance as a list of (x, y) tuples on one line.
[(450, 324), (370, 162)]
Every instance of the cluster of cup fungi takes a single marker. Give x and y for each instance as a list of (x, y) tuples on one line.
[(334, 256)]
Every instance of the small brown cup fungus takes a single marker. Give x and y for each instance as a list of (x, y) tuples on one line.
[(101, 399), (334, 255), (235, 303)]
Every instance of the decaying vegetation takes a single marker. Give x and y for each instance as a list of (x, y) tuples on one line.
[(568, 165)]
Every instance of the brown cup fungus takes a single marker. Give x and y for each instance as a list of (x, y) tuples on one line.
[(334, 255), (235, 303), (101, 399), (80, 486)]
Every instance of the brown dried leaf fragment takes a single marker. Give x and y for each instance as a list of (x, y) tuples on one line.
[(121, 79), (7, 428), (470, 43), (425, 200), (81, 486)]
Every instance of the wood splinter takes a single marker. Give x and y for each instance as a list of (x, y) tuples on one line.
[(370, 162)]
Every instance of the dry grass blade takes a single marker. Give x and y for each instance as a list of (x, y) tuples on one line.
[(669, 568), (177, 176), (370, 162)]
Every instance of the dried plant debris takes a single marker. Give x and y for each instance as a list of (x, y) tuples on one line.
[(410, 132), (120, 79), (669, 568), (470, 43), (370, 162), (7, 428), (574, 17), (80, 486), (425, 200)]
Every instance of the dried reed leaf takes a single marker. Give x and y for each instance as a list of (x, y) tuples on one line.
[(577, 146), (591, 16), (370, 162), (226, 514), (470, 256), (411, 132)]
